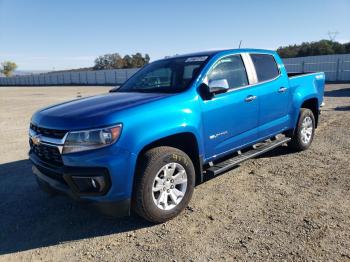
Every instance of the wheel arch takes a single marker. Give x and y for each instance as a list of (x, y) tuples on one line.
[(184, 141), (312, 104)]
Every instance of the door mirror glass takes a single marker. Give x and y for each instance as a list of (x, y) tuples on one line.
[(218, 86)]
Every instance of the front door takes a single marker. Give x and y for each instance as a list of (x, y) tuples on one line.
[(230, 119)]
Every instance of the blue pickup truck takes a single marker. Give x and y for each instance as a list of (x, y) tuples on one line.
[(146, 144)]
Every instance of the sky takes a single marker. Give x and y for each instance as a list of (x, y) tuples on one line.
[(66, 34)]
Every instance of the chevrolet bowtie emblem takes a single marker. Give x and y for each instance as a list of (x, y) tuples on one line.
[(36, 139)]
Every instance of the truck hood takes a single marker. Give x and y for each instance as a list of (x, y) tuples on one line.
[(90, 112)]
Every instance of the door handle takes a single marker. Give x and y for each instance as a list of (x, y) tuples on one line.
[(250, 98), (282, 89)]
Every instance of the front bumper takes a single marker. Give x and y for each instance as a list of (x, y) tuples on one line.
[(109, 208), (113, 164)]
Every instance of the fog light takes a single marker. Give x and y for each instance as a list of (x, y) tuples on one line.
[(87, 185), (93, 183)]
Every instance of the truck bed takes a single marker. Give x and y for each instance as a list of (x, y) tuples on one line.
[(297, 74), (300, 81)]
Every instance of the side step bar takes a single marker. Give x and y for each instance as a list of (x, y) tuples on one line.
[(258, 149)]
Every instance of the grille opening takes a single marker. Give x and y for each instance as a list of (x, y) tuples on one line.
[(48, 132), (48, 154)]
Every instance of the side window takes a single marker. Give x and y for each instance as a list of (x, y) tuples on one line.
[(265, 66), (232, 69)]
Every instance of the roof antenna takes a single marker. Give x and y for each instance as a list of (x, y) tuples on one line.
[(240, 42)]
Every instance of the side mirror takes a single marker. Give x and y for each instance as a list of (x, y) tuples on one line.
[(218, 86), (114, 89)]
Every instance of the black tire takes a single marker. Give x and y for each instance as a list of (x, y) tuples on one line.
[(297, 142), (151, 163)]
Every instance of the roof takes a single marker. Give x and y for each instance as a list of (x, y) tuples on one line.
[(214, 52)]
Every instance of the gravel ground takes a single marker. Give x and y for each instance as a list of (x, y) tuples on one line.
[(281, 206)]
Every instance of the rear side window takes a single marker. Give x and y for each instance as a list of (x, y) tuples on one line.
[(265, 67), (232, 69)]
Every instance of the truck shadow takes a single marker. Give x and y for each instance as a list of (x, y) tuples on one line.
[(278, 151), (342, 108), (31, 219), (344, 92)]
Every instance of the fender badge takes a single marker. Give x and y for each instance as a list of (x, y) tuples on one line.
[(218, 134)]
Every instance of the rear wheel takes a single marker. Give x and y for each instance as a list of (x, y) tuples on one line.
[(164, 184), (304, 132)]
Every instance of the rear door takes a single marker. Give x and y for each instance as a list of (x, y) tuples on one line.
[(273, 95)]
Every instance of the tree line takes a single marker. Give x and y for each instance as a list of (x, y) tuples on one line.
[(322, 47), (108, 61), (116, 61), (7, 68)]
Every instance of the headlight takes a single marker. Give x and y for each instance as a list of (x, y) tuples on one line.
[(91, 139)]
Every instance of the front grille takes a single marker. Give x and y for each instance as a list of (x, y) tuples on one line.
[(48, 132), (48, 154)]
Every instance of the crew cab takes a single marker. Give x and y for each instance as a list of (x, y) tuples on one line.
[(145, 145)]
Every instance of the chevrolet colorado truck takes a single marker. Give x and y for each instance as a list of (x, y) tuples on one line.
[(145, 145)]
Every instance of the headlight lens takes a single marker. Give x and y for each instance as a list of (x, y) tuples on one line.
[(91, 139)]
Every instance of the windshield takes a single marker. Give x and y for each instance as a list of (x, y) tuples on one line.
[(169, 75)]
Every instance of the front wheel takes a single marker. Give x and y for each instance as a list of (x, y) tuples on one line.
[(305, 130), (164, 184)]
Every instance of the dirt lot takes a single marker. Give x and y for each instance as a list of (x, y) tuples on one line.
[(281, 206)]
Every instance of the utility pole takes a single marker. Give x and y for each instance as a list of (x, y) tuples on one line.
[(332, 35)]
